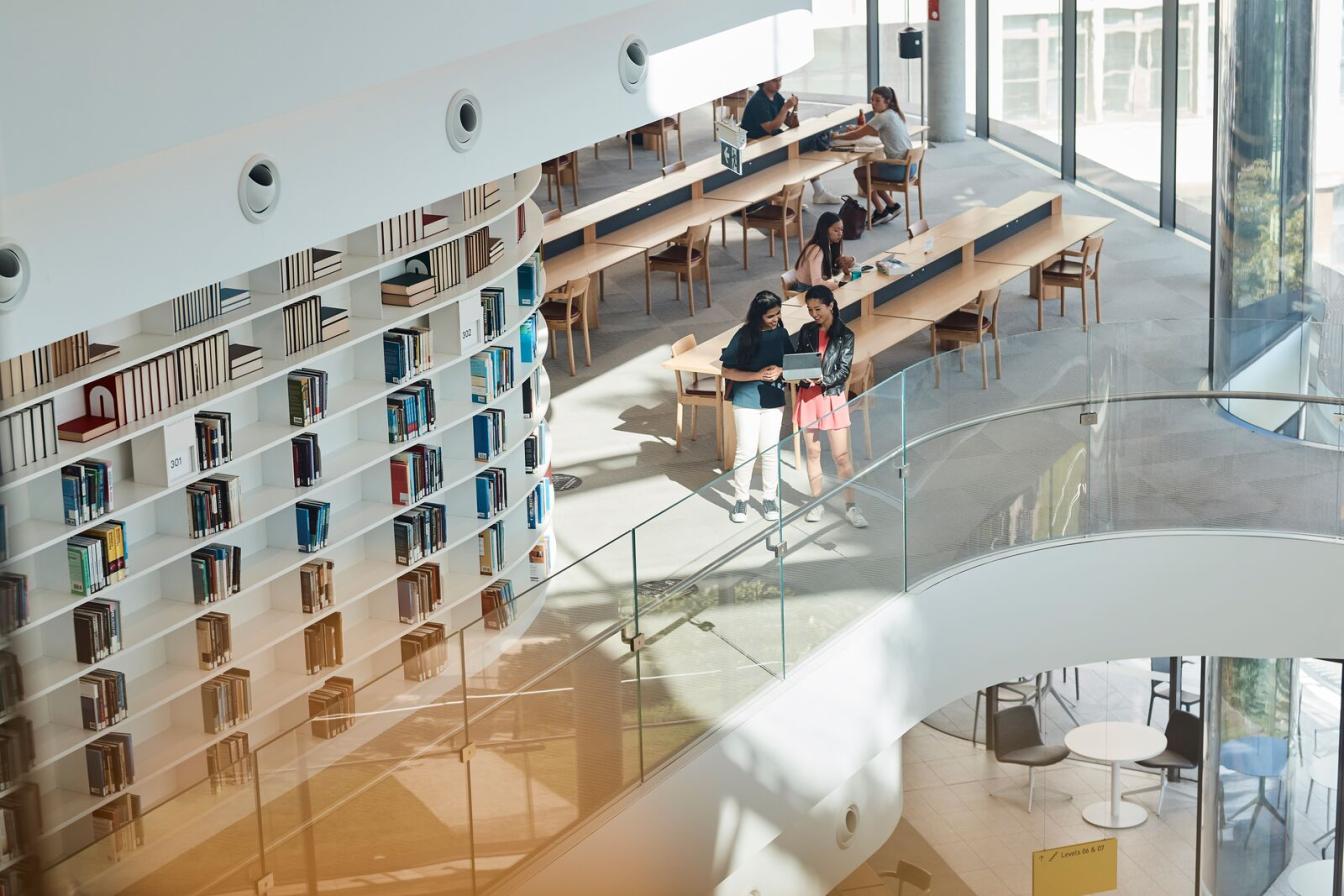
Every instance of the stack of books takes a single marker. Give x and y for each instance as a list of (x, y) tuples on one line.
[(86, 490), (539, 559), (243, 359), (11, 681), (227, 761), (302, 321), (307, 457), (13, 601), (535, 456), (401, 230), (313, 519), (527, 340), (424, 652), (416, 473), (189, 309), (317, 584), (102, 698), (111, 764), (442, 263), (232, 299), (214, 438), (408, 290), (407, 351), (493, 311), (480, 199), (419, 593), (226, 700), (495, 251), (419, 532), (332, 707), (325, 262), (529, 280), (307, 393), (214, 640), (410, 412), (492, 492), (117, 826), (490, 549), (97, 630), (476, 249), (487, 433), (491, 373), (335, 322), (323, 647), (16, 755), (97, 557), (216, 572), (497, 607), (432, 224), (42, 365), (27, 436), (214, 504), (539, 503)]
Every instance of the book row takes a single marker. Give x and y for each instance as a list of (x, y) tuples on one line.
[(479, 200), (539, 503), (13, 601), (42, 365), (227, 762), (118, 825), (195, 307), (97, 630), (307, 457), (214, 438), (407, 351), (492, 492), (216, 572), (97, 557), (102, 698), (416, 473), (28, 436), (488, 433), (302, 323), (86, 490), (490, 548), (302, 267), (214, 504), (481, 250), (497, 604), (313, 520), (323, 645), (332, 707), (442, 265), (317, 585), (419, 593), (16, 750), (410, 412), (419, 532), (424, 652), (306, 390), (408, 227), (214, 640), (110, 762), (226, 700), (491, 373)]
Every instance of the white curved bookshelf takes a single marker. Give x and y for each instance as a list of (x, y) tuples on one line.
[(266, 619)]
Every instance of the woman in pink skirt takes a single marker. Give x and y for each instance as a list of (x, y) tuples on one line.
[(822, 404)]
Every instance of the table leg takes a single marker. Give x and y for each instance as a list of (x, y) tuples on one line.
[(1114, 813)]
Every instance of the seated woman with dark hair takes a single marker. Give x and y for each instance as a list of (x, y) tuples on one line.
[(823, 260), (887, 123)]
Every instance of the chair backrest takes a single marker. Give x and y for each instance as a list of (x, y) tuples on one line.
[(789, 281), (914, 165), (1015, 729), (573, 289), (681, 347), (697, 237), (915, 229), (552, 215), (792, 195), (1185, 735), (1092, 254), (674, 167), (1160, 664), (912, 874), (988, 305)]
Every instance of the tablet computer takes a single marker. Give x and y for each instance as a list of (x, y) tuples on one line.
[(802, 366)]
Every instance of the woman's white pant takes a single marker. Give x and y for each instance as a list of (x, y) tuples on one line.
[(757, 433)]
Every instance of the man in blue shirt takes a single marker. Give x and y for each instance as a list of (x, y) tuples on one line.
[(767, 113)]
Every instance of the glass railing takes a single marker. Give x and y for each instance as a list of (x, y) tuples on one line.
[(526, 725)]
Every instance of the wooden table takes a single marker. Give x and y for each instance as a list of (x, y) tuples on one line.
[(656, 230), (935, 299), (581, 262), (1043, 241), (766, 183)]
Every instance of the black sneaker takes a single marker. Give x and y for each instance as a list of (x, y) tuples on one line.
[(739, 514), (770, 510), (883, 216)]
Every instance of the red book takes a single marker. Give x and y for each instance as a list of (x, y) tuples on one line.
[(401, 483), (86, 428)]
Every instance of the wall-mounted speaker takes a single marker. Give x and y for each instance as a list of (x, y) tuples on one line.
[(848, 827), (464, 120), (911, 43), (259, 188), (633, 63), (13, 275)]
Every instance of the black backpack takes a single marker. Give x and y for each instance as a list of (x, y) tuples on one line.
[(854, 217)]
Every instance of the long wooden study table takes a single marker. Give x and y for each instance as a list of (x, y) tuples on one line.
[(945, 269)]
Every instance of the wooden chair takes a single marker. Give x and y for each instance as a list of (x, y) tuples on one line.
[(564, 308), (550, 215), (918, 228), (914, 177), (557, 169), (862, 378), (783, 211), (733, 103), (674, 167), (788, 282), (909, 873), (656, 130), (970, 328), (1066, 273), (699, 393), (686, 253)]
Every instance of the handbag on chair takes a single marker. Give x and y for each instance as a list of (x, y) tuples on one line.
[(854, 216)]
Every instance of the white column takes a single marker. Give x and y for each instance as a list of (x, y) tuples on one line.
[(946, 67)]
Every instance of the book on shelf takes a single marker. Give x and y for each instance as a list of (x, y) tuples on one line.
[(419, 593), (214, 640), (16, 750), (228, 762), (492, 492), (530, 390), (539, 503), (86, 490), (535, 455), (307, 394), (313, 520), (214, 504), (110, 762), (118, 826), (494, 250), (85, 428), (491, 373), (442, 263), (477, 250), (539, 558), (13, 601), (214, 438), (231, 299), (42, 365), (97, 630), (490, 548), (407, 290), (184, 311), (521, 215), (21, 816), (216, 572), (325, 262), (97, 557), (332, 707), (400, 230), (243, 359), (28, 436), (487, 433), (11, 681), (497, 607), (479, 200), (302, 322), (323, 645), (184, 374), (529, 280), (335, 322), (226, 700), (424, 652), (307, 457), (410, 412), (102, 698), (432, 224), (493, 311), (317, 583), (527, 340), (407, 351), (416, 473), (291, 272), (419, 532), (99, 351)]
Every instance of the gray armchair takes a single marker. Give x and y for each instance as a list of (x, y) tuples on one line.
[(1185, 745), (1017, 741)]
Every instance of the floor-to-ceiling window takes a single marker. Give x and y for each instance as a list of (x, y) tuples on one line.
[(905, 76), (1194, 116), (1025, 44), (838, 70)]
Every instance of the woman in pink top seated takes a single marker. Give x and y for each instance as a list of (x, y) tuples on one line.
[(823, 261)]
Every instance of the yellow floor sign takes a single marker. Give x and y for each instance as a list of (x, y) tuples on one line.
[(1075, 870)]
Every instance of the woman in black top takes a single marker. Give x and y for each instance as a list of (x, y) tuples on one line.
[(823, 404)]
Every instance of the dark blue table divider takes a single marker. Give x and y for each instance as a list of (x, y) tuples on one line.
[(552, 248), (642, 211), (915, 278), (1012, 228), (751, 166)]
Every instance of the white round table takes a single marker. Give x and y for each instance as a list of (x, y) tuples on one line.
[(1313, 879), (1115, 742)]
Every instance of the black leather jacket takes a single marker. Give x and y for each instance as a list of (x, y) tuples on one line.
[(835, 363)]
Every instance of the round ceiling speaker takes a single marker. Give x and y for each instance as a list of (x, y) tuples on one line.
[(259, 188), (464, 120), (632, 63), (13, 275), (848, 827)]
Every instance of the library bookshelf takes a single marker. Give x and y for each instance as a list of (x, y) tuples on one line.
[(157, 595)]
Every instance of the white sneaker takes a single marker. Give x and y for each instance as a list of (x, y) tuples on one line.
[(856, 518), (813, 514), (825, 197)]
